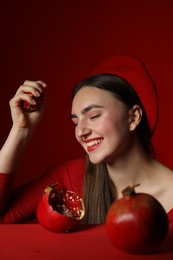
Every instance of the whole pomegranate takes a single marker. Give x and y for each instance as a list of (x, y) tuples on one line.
[(136, 223), (59, 210)]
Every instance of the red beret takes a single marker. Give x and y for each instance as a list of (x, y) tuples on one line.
[(135, 73)]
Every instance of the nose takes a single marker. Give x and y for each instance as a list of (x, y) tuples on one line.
[(82, 131)]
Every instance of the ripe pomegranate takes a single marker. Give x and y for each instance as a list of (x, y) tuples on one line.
[(59, 210), (136, 223), (30, 108)]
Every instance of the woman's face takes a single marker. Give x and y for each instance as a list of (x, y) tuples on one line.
[(101, 124)]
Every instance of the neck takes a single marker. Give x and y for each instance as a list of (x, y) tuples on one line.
[(130, 170)]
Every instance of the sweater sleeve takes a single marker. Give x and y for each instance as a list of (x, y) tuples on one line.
[(6, 182), (20, 205)]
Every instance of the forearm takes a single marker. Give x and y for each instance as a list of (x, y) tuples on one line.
[(13, 149)]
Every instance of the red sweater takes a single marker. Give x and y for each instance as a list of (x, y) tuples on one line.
[(19, 206)]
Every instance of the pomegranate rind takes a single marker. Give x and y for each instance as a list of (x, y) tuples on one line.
[(53, 220), (137, 224)]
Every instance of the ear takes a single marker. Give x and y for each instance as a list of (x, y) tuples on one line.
[(135, 115)]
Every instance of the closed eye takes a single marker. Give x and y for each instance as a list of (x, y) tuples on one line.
[(95, 116), (74, 123)]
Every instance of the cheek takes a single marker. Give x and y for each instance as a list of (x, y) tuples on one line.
[(109, 124), (79, 140), (76, 136), (117, 126)]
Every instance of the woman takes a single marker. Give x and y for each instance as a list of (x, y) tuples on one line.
[(115, 112)]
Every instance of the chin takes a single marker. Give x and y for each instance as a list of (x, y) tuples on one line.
[(96, 160)]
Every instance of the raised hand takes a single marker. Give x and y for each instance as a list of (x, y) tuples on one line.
[(30, 94)]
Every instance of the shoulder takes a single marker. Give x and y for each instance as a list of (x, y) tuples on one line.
[(77, 164), (164, 173), (164, 186), (68, 168), (67, 174)]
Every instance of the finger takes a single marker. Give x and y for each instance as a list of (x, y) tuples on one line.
[(28, 90), (30, 95), (35, 82), (34, 86), (44, 85), (18, 99), (33, 103)]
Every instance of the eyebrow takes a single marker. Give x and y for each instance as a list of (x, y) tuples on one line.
[(85, 110)]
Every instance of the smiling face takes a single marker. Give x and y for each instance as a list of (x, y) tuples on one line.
[(102, 124)]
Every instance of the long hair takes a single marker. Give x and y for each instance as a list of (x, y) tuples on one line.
[(99, 190)]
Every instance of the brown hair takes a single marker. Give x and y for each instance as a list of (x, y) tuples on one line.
[(99, 193)]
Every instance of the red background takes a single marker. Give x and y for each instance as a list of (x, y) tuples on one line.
[(60, 43)]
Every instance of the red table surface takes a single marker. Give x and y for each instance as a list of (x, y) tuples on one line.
[(31, 241)]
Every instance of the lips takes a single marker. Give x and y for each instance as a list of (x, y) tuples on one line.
[(93, 144)]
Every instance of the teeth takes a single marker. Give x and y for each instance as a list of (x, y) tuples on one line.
[(94, 142)]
